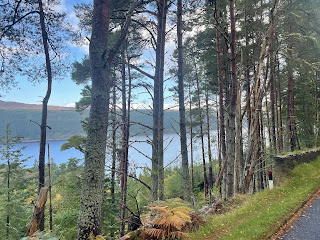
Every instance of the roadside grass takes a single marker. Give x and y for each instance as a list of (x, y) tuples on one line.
[(262, 214)]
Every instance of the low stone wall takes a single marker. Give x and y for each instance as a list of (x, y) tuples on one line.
[(284, 163)]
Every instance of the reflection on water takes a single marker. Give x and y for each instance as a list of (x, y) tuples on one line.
[(137, 153)]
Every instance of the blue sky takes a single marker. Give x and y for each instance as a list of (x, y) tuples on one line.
[(65, 92)]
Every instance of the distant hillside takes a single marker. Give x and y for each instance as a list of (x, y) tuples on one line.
[(16, 105), (63, 123), (67, 123)]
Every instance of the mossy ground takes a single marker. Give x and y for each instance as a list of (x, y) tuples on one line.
[(261, 215)]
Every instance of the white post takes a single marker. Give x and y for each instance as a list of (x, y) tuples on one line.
[(270, 180)]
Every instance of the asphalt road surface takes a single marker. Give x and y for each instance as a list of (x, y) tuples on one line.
[(307, 227)]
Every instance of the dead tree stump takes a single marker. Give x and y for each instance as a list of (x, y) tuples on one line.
[(38, 211)]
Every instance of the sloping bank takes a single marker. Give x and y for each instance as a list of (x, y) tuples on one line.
[(262, 214)]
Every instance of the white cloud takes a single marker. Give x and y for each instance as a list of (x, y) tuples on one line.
[(62, 7), (73, 20), (71, 105)]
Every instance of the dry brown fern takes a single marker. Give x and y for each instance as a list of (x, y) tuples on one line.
[(196, 221), (168, 223)]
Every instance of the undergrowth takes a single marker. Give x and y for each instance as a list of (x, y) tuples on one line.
[(262, 214)]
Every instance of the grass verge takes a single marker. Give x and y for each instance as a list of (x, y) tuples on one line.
[(262, 214)]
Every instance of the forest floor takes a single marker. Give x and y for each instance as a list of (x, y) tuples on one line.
[(262, 215)]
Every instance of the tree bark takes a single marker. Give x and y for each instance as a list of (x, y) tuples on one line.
[(232, 106), (280, 124), (101, 57), (124, 159), (210, 182), (8, 184), (219, 156), (248, 82), (182, 111), (43, 125), (94, 170), (221, 102), (114, 147), (38, 212), (161, 44), (191, 141), (157, 173), (205, 181), (291, 126), (238, 164), (272, 104)]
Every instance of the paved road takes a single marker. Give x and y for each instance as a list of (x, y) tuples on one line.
[(307, 227)]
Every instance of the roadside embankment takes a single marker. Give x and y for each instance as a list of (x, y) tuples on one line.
[(283, 164), (263, 214)]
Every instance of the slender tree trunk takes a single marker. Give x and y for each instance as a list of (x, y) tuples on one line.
[(94, 168), (291, 133), (272, 104), (269, 125), (210, 182), (232, 107), (124, 162), (114, 148), (8, 186), (248, 82), (205, 181), (239, 147), (129, 106), (280, 128), (182, 114), (262, 151), (50, 190), (291, 125), (157, 173), (191, 141), (221, 107), (155, 140), (161, 99), (219, 156), (43, 126)]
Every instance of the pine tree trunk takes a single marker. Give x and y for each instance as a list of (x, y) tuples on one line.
[(221, 108), (273, 103), (124, 162), (247, 71), (239, 148), (280, 127), (231, 131), (210, 182), (219, 157), (262, 151), (291, 126), (205, 181), (183, 132), (163, 19), (157, 174), (114, 148), (269, 126), (8, 185), (43, 126), (94, 168), (191, 141)]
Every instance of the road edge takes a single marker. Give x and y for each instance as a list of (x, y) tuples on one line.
[(285, 227)]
